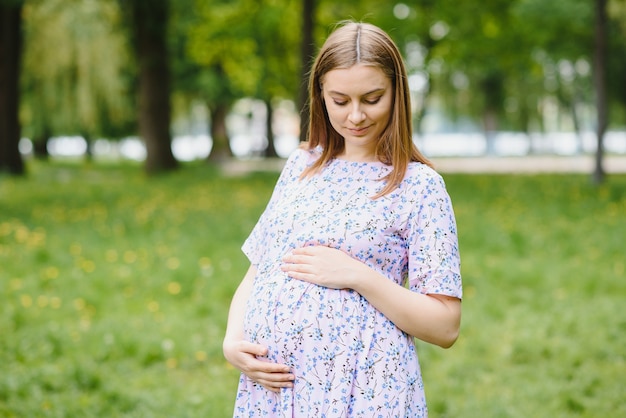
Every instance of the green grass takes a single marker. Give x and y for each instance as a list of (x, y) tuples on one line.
[(114, 290)]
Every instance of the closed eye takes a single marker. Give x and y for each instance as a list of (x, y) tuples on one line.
[(372, 101)]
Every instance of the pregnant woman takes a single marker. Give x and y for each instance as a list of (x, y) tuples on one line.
[(354, 256)]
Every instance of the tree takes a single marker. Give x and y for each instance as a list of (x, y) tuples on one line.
[(599, 81), (83, 72), (238, 49), (149, 26), (307, 48), (223, 43), (275, 27), (10, 59)]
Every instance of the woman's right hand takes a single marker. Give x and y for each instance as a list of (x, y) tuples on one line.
[(243, 355)]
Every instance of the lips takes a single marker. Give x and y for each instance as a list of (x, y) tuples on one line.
[(358, 131)]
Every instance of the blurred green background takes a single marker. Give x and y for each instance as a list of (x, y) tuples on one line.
[(115, 285), (115, 292), (213, 79)]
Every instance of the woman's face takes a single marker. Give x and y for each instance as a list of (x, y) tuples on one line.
[(358, 101)]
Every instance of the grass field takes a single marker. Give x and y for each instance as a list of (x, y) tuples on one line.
[(114, 291)]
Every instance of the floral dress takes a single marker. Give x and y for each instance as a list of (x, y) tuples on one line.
[(348, 359)]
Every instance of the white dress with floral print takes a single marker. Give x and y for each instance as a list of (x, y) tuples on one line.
[(349, 359)]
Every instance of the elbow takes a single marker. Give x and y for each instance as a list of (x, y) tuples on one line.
[(448, 338), (450, 323), (447, 335)]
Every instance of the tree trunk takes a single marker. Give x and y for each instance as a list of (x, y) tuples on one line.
[(490, 123), (270, 151), (221, 145), (40, 144), (89, 143), (10, 59), (150, 21), (580, 146), (493, 90), (599, 81), (307, 50)]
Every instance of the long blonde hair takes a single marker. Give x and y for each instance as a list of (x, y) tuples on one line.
[(362, 43)]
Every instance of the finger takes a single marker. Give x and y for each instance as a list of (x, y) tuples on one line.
[(308, 250), (275, 389), (271, 368), (277, 379), (297, 258), (296, 272), (271, 381), (255, 349)]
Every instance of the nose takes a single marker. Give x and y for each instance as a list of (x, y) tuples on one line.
[(356, 115)]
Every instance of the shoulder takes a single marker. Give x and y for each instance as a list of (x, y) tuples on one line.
[(424, 182), (303, 156), (299, 160), (420, 174)]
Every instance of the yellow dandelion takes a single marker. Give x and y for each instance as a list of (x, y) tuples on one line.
[(79, 304), (173, 263), (51, 272), (55, 302), (42, 301), (16, 284), (21, 234), (26, 300), (201, 356), (124, 271), (88, 266), (111, 256), (37, 238), (130, 256), (171, 363), (153, 306), (173, 288), (204, 262), (76, 249), (5, 229), (84, 324)]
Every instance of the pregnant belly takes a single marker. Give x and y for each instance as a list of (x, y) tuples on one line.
[(299, 321)]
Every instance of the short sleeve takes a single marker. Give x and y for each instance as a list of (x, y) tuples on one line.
[(254, 246), (434, 261)]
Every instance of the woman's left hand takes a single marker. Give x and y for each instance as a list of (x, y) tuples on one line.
[(323, 266)]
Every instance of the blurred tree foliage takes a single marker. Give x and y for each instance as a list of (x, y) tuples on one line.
[(498, 63), (78, 77), (237, 49)]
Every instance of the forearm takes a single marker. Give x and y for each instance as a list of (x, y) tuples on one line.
[(244, 354), (234, 328), (431, 318)]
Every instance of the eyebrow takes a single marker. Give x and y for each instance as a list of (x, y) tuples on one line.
[(378, 90)]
